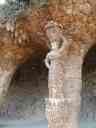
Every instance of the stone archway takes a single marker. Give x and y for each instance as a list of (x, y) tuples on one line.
[(88, 111), (27, 93), (65, 64), (65, 78)]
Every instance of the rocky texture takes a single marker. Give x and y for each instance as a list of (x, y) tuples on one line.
[(26, 95), (89, 86), (64, 93), (5, 80), (64, 81), (88, 109), (78, 24), (65, 71), (27, 37)]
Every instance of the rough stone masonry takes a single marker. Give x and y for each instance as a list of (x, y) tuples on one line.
[(27, 37)]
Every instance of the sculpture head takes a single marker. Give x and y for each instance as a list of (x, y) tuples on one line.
[(54, 34)]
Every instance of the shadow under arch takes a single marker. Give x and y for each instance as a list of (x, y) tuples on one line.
[(88, 106), (89, 63), (27, 93)]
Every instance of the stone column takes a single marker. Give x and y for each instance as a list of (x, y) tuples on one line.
[(5, 80), (64, 93), (7, 70), (63, 105)]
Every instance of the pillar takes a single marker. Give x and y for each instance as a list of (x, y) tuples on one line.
[(7, 70), (64, 83)]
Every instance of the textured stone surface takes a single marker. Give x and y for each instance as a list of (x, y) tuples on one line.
[(26, 95), (77, 20), (76, 17)]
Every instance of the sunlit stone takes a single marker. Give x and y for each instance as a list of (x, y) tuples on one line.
[(2, 2)]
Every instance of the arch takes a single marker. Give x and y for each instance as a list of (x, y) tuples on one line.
[(88, 111), (89, 58), (27, 93)]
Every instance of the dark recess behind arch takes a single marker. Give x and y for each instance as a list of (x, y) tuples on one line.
[(89, 64)]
